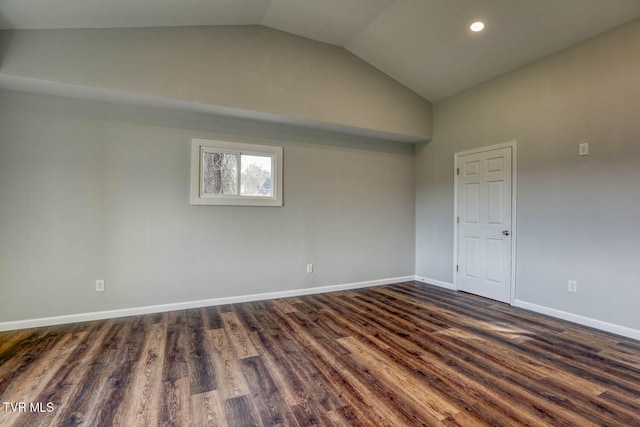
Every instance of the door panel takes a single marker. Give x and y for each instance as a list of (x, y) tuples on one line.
[(484, 227), (472, 196), (495, 192), (494, 260), (471, 256)]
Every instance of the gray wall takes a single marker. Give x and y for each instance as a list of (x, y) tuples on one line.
[(577, 216), (252, 68), (91, 190)]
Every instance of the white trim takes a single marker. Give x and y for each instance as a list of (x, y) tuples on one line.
[(514, 235), (435, 282), (485, 149), (581, 320), (135, 311)]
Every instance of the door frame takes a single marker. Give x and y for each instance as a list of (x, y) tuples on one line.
[(514, 234)]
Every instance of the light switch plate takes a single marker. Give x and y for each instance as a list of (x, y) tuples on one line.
[(583, 149)]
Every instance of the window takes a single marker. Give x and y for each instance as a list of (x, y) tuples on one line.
[(231, 173)]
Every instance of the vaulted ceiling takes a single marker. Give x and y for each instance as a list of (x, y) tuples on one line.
[(424, 44)]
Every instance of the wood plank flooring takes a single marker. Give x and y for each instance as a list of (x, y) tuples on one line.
[(400, 355)]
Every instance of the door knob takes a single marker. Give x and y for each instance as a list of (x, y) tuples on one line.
[(506, 232)]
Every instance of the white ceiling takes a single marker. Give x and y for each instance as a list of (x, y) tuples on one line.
[(424, 44)]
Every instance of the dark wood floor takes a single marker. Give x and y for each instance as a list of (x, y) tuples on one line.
[(399, 355)]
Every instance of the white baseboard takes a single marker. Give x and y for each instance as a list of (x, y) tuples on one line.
[(435, 282), (581, 320), (111, 314), (571, 317)]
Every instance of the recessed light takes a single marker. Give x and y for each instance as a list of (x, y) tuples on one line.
[(477, 26)]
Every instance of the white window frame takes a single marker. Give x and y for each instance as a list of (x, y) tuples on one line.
[(200, 146)]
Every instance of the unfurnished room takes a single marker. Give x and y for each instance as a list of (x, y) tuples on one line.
[(320, 212)]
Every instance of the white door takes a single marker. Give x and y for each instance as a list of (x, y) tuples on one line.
[(484, 223)]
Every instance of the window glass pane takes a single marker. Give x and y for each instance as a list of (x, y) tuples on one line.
[(219, 173), (256, 178)]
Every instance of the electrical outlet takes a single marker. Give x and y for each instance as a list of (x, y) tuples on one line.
[(573, 286), (309, 268), (99, 285)]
